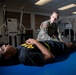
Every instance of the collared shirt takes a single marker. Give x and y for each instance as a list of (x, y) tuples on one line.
[(47, 30)]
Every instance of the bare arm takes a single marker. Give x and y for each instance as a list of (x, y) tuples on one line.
[(44, 50)]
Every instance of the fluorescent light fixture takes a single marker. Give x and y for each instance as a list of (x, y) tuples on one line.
[(42, 2), (67, 7), (73, 12)]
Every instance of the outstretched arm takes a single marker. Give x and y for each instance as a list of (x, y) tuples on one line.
[(44, 50)]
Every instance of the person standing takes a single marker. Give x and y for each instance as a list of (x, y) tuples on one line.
[(49, 30)]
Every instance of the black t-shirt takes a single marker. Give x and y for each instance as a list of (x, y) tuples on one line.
[(57, 48), (31, 55)]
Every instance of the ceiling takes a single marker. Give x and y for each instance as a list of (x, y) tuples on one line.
[(46, 9)]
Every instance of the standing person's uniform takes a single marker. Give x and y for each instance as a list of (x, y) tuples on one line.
[(49, 31)]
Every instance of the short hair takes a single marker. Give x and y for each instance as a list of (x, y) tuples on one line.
[(1, 55), (56, 13), (1, 44)]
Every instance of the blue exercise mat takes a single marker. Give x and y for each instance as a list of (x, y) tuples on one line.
[(64, 65)]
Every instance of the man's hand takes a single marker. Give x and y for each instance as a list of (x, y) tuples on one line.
[(31, 41)]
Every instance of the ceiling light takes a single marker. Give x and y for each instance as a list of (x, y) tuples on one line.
[(67, 7), (42, 2), (73, 12)]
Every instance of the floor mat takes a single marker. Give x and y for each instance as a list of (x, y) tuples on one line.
[(67, 66)]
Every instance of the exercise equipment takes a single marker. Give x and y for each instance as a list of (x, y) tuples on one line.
[(68, 29), (21, 27), (13, 31)]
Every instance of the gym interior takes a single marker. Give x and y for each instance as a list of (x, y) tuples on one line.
[(21, 19)]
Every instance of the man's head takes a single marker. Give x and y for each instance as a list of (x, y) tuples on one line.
[(54, 17), (7, 51)]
